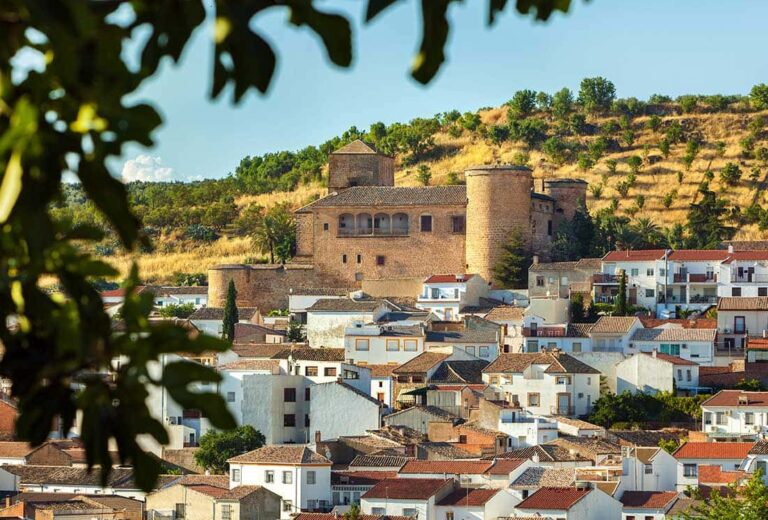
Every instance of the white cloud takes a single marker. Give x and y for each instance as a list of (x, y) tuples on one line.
[(146, 168)]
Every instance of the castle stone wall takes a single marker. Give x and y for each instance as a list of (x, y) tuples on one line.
[(569, 194), (347, 170)]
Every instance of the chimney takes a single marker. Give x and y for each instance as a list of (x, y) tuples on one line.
[(318, 437), (730, 248), (654, 352), (535, 259)]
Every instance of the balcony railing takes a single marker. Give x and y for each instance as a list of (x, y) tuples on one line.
[(694, 278), (544, 332), (605, 278), (562, 410), (749, 278), (700, 298), (373, 232)]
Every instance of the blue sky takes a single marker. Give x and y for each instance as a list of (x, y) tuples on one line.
[(644, 46)]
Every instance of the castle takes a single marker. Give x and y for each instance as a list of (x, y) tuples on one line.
[(367, 228)]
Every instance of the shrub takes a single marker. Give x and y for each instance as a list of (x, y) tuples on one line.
[(664, 147), (183, 310), (669, 198), (761, 154), (709, 175), (631, 179), (530, 131), (557, 150), (562, 103), (522, 104), (521, 159), (628, 136), (596, 94), (675, 132), (679, 177), (687, 103), (640, 201), (755, 126), (585, 162), (758, 97), (612, 164), (424, 174), (470, 121), (720, 148), (455, 131), (610, 127), (747, 146), (451, 116), (623, 188), (596, 190), (654, 123), (659, 99), (597, 148), (730, 174), (200, 233), (577, 124), (634, 162), (543, 101), (716, 102), (614, 205), (497, 134), (754, 174), (454, 178)]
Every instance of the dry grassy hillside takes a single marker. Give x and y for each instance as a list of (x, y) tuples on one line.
[(656, 178)]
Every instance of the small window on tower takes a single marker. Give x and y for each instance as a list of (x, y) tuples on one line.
[(380, 260), (325, 226), (549, 227), (359, 259), (426, 223), (343, 259), (457, 224)]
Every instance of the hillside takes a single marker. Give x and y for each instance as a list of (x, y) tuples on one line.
[(703, 135)]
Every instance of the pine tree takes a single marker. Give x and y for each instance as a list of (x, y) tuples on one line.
[(295, 332), (706, 220), (511, 271), (622, 309), (230, 313)]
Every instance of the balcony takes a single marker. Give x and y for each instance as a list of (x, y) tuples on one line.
[(694, 278), (369, 232), (700, 298), (602, 278), (544, 332), (749, 278), (562, 410)]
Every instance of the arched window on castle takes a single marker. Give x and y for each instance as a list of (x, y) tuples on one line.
[(381, 224), (399, 224), (364, 224), (346, 224)]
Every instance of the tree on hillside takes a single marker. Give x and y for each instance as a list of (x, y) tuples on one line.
[(522, 104), (275, 234), (231, 316), (216, 447), (562, 103), (511, 271), (758, 96), (596, 94), (424, 174), (707, 220), (622, 305)]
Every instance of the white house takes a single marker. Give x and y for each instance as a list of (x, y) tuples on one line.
[(654, 372), (300, 299), (745, 274), (525, 429), (547, 383), (466, 472), (613, 333), (735, 414), (692, 344), (738, 318), (647, 505), (475, 504), (568, 337), (641, 267), (300, 476), (328, 318), (414, 498), (692, 279), (757, 459), (444, 295), (196, 296), (647, 469), (382, 384), (68, 479), (329, 402), (728, 456), (570, 503), (383, 344)]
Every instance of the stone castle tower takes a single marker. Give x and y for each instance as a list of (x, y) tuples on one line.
[(359, 164), (498, 201)]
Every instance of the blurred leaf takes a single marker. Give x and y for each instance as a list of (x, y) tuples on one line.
[(375, 7), (332, 28), (543, 8), (435, 33)]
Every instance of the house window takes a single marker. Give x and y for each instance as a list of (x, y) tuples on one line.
[(720, 418), (306, 394), (549, 227), (393, 345), (379, 260), (410, 512), (576, 346), (230, 397), (634, 272), (287, 477), (563, 380), (483, 351), (449, 515), (494, 380), (648, 470), (679, 374), (330, 371), (539, 281), (739, 324), (457, 224), (534, 399), (378, 511), (470, 350), (311, 475), (735, 291), (426, 223), (589, 381), (749, 418), (343, 259), (359, 258), (289, 395), (287, 505), (289, 420), (269, 476), (235, 474), (649, 293), (762, 291), (649, 271), (410, 345), (226, 512), (310, 371), (525, 494), (707, 417), (688, 375), (180, 511), (361, 344), (690, 470), (306, 420)]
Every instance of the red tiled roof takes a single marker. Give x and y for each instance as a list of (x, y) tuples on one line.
[(381, 370), (692, 255), (713, 450), (639, 255), (464, 467), (731, 398), (554, 498), (504, 466), (211, 491), (675, 360), (468, 497), (407, 488), (448, 278), (746, 256), (698, 323), (360, 478), (647, 499), (715, 475), (120, 291), (757, 344)]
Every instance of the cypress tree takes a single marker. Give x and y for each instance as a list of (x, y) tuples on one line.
[(230, 313), (622, 309)]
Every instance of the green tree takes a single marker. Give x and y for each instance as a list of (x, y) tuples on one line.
[(611, 164), (738, 502), (654, 123), (730, 174), (687, 103), (758, 96), (562, 103), (424, 174), (543, 101), (181, 310), (577, 308), (511, 271), (634, 162), (522, 104), (707, 220), (669, 445), (353, 513), (596, 94), (295, 332), (622, 305), (216, 447), (231, 315), (664, 146)]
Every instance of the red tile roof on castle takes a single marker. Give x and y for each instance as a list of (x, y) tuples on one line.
[(408, 488), (640, 255), (468, 497), (554, 498), (647, 499), (456, 467), (731, 398), (692, 255), (448, 278), (713, 450), (715, 475)]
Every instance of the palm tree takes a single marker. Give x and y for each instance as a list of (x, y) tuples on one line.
[(275, 234), (648, 234), (624, 236)]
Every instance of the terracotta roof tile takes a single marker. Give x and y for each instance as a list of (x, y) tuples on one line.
[(394, 196), (737, 398), (217, 313), (553, 498), (504, 466), (700, 255), (613, 324), (640, 255), (675, 334), (421, 363), (381, 370), (505, 313), (745, 303), (539, 476), (356, 147), (675, 360), (345, 305), (252, 364), (379, 461), (408, 488), (258, 350), (714, 475), (448, 278), (281, 455), (312, 354), (466, 497), (713, 450), (648, 499), (455, 467), (360, 478), (559, 363)]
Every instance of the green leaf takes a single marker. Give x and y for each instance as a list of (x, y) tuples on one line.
[(543, 8), (435, 33), (494, 7), (375, 7), (332, 28), (11, 186)]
